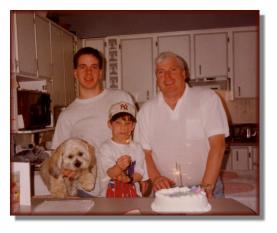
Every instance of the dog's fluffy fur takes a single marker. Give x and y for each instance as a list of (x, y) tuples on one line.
[(74, 155)]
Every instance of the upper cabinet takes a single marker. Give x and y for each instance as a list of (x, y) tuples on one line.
[(245, 64), (43, 44), (41, 52), (179, 44), (68, 54), (225, 57), (137, 67), (211, 55), (58, 90), (25, 52), (96, 43)]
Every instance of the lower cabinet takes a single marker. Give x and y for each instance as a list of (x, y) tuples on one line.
[(241, 158)]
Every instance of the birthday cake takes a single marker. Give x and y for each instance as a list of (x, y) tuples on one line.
[(181, 200)]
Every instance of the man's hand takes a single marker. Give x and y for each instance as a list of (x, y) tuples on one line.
[(208, 188), (162, 182)]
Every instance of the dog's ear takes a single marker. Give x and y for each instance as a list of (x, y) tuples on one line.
[(92, 156), (56, 159)]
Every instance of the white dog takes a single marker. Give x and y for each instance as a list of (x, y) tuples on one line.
[(71, 166)]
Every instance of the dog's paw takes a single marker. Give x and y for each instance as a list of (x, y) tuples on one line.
[(87, 181), (58, 188)]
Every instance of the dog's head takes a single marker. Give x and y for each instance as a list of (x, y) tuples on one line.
[(73, 154)]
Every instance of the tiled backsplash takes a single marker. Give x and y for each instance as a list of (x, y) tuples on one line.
[(240, 111), (243, 110)]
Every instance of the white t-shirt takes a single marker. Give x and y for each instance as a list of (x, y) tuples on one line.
[(87, 119), (178, 138), (111, 151)]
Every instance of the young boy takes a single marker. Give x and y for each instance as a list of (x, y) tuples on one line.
[(122, 160)]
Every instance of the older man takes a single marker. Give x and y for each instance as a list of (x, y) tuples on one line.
[(182, 130)]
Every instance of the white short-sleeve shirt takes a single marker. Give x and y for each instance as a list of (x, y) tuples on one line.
[(178, 138), (110, 152)]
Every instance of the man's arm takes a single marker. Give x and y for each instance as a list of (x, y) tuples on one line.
[(159, 182), (213, 166)]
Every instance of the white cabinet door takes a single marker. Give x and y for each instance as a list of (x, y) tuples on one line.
[(179, 44), (43, 47), (240, 158), (68, 44), (246, 64), (96, 44), (137, 67), (211, 55), (26, 49), (255, 158), (58, 85)]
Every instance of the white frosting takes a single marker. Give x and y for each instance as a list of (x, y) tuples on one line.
[(180, 200)]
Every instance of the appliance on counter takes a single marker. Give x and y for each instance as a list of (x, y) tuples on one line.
[(244, 132), (34, 106)]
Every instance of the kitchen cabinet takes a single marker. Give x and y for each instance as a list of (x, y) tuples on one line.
[(98, 44), (246, 64), (211, 55), (43, 50), (25, 52), (43, 47), (255, 158), (68, 54), (58, 91), (62, 86), (137, 67), (42, 57), (241, 158), (223, 55), (179, 44)]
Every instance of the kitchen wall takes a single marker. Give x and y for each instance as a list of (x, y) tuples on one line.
[(240, 111), (243, 110)]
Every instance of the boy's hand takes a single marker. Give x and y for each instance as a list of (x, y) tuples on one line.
[(123, 178), (69, 173), (123, 162)]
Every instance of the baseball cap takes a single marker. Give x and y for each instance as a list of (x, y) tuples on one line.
[(122, 107)]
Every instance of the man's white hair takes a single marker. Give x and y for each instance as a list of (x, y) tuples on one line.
[(181, 61)]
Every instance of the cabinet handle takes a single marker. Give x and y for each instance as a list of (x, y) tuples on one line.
[(200, 70), (237, 156), (147, 95), (239, 90)]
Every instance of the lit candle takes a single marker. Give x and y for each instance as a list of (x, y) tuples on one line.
[(178, 174)]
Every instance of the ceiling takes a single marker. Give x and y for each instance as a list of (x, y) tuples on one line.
[(87, 24)]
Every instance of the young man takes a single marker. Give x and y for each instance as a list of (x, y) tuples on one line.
[(86, 117), (182, 130)]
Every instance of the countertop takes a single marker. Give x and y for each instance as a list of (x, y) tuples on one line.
[(232, 143), (126, 206)]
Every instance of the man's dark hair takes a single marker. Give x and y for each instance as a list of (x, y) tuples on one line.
[(123, 114), (88, 51)]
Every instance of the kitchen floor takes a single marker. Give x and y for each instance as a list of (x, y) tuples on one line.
[(243, 186)]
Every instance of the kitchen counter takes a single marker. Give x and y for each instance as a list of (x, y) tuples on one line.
[(236, 143), (122, 206)]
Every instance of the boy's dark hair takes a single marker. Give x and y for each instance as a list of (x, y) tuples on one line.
[(88, 51), (123, 114)]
